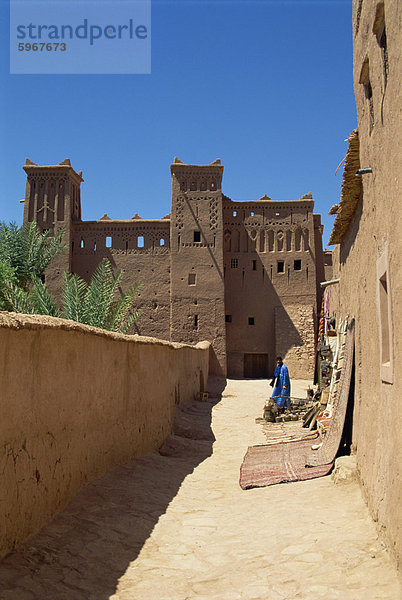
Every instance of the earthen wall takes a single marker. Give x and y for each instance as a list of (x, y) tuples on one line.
[(367, 261), (77, 401)]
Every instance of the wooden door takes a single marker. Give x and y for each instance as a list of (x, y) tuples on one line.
[(256, 366)]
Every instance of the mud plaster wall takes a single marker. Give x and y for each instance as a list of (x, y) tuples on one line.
[(374, 231), (75, 402), (294, 334)]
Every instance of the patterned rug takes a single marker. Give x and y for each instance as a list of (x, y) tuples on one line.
[(291, 437), (326, 454), (289, 431), (278, 463)]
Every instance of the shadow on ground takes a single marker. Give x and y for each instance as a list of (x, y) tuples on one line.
[(86, 549)]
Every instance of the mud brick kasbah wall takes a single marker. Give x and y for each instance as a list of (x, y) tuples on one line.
[(213, 269), (371, 250), (75, 402)]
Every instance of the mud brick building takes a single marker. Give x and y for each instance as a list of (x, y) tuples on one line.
[(244, 275), (367, 259)]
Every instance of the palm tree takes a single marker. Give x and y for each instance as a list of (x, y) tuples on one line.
[(101, 303), (28, 251), (25, 253)]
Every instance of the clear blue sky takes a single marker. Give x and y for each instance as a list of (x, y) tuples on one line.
[(264, 85)]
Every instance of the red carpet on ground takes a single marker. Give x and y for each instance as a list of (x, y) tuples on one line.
[(278, 463)]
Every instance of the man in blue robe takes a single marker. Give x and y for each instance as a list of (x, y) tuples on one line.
[(281, 391)]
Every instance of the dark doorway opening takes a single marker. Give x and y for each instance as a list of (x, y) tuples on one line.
[(256, 366), (347, 433)]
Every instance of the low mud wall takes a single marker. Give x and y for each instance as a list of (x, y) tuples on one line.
[(75, 402)]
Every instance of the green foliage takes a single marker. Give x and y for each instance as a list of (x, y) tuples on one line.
[(7, 277), (28, 251), (96, 304), (24, 255)]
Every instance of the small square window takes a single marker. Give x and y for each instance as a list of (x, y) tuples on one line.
[(191, 279), (197, 236), (254, 263), (281, 266), (251, 320), (234, 263), (297, 265), (228, 318)]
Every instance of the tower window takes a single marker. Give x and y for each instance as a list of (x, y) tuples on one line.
[(191, 279), (235, 213), (193, 186), (234, 263), (195, 321), (251, 320), (254, 263), (197, 236), (213, 185), (281, 266), (228, 318), (161, 242), (82, 243), (297, 265), (252, 213), (108, 241), (140, 241)]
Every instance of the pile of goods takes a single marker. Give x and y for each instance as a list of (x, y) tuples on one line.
[(300, 406)]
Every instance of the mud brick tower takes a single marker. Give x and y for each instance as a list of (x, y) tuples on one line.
[(243, 275)]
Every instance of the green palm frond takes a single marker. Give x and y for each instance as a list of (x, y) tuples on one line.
[(7, 276), (39, 249), (130, 321), (100, 294), (73, 297), (27, 250), (42, 301), (16, 298), (120, 308)]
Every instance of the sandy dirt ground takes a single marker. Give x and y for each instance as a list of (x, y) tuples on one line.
[(178, 526)]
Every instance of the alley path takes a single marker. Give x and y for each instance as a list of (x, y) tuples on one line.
[(156, 529)]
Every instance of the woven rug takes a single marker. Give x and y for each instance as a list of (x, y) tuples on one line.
[(326, 454), (278, 463), (289, 437), (289, 431)]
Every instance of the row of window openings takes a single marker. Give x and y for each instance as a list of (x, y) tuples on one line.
[(228, 319), (297, 265), (193, 186), (252, 213), (108, 243)]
